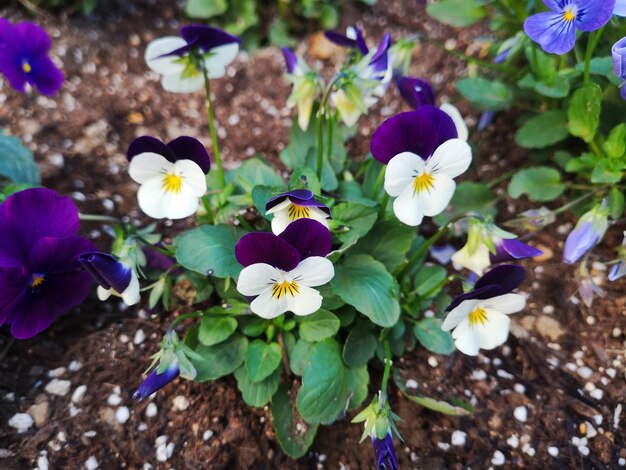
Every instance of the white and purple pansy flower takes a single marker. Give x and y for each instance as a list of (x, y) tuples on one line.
[(307, 86), (423, 155), (180, 60), (280, 271), (172, 176), (293, 205), (113, 276), (480, 319)]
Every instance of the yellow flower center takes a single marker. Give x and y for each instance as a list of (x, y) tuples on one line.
[(477, 316), (423, 182), (295, 212), (172, 183), (36, 280), (26, 67), (284, 288), (569, 15)]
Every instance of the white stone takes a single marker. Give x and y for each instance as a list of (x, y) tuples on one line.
[(90, 434), (519, 388), (21, 421), (458, 438), (208, 434), (443, 446), (598, 419), (611, 372), (584, 450), (411, 383), (75, 366), (597, 394), (151, 410), (180, 403), (58, 387), (114, 399), (91, 463), (591, 431), (498, 458), (58, 372), (513, 441), (122, 414), (504, 374), (521, 414), (161, 453), (553, 451), (79, 393), (170, 449), (74, 410), (432, 361), (140, 336), (142, 427), (160, 440), (42, 461), (585, 372), (621, 461), (478, 374)]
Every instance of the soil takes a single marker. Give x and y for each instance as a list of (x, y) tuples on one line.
[(551, 397)]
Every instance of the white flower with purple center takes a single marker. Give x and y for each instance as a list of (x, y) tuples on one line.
[(294, 205), (172, 176), (480, 319), (281, 271), (180, 60), (423, 156), (113, 277)]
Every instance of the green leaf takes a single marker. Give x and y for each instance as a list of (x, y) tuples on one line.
[(364, 283), (257, 393), (17, 162), (262, 194), (356, 386), (469, 197), (293, 439), (455, 407), (357, 218), (427, 278), (300, 356), (360, 345), (543, 130), (209, 249), (584, 112), (428, 331), (540, 183), (607, 171), (262, 359), (615, 144), (319, 326), (485, 94), (205, 9), (215, 330), (218, 360), (616, 203), (388, 241), (254, 172), (459, 13)]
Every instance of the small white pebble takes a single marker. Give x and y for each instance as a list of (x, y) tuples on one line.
[(208, 434), (432, 361), (58, 387), (513, 441), (161, 453), (443, 446), (621, 461), (521, 414), (611, 372), (170, 449), (584, 372), (598, 419), (90, 434), (411, 383), (553, 451), (322, 458), (161, 440), (140, 336), (584, 450), (597, 394), (458, 438), (151, 410), (79, 393), (122, 414), (58, 372), (74, 410), (180, 403), (519, 388), (548, 309), (124, 338), (504, 374), (42, 461), (575, 441), (114, 399), (498, 458), (91, 463), (478, 374), (75, 366), (142, 427), (591, 431), (616, 332), (21, 421)]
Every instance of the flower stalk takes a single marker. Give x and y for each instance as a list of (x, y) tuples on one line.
[(211, 118)]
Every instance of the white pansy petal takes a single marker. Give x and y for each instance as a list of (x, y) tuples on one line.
[(192, 175), (151, 197), (477, 262), (158, 47), (103, 293), (459, 122), (148, 165), (452, 158), (220, 57), (458, 314), (401, 171), (319, 215), (257, 278), (131, 295), (494, 332), (313, 271), (465, 339), (280, 222), (507, 303), (407, 207), (279, 207), (176, 84), (305, 302), (267, 306), (436, 199)]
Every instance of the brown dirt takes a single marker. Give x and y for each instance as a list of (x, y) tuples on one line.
[(80, 144)]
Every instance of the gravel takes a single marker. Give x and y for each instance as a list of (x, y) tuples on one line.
[(58, 387), (21, 421)]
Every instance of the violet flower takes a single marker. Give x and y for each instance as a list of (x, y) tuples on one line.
[(40, 275), (113, 277), (385, 455), (555, 30), (619, 63), (352, 39), (294, 205), (416, 91), (620, 8), (155, 381), (307, 86), (588, 232), (24, 58)]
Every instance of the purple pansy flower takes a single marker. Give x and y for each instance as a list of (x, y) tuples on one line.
[(280, 270), (619, 63), (24, 58), (423, 155), (113, 277), (416, 91), (385, 455), (480, 319), (294, 205), (156, 381), (40, 275), (172, 175), (171, 56), (352, 39), (555, 31)]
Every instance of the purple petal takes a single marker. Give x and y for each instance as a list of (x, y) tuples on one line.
[(507, 276), (263, 247), (106, 270), (309, 237), (379, 61), (11, 68), (188, 148), (485, 119), (551, 31), (580, 240), (13, 283), (149, 144), (206, 37), (360, 41), (416, 92), (619, 58), (290, 59), (45, 76), (485, 292), (340, 39), (509, 250), (31, 39), (156, 381), (156, 260), (301, 197), (593, 14), (385, 455), (442, 254), (29, 216), (617, 271), (620, 8), (419, 132)]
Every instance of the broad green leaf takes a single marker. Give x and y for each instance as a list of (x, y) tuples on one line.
[(360, 345), (607, 171), (427, 278), (469, 197), (329, 180), (485, 94), (205, 9), (364, 283), (294, 440), (214, 330), (428, 331), (262, 359), (300, 356), (543, 130), (388, 241), (218, 360), (615, 144), (584, 112), (319, 326), (356, 218), (616, 203), (306, 174), (356, 385), (261, 194), (209, 249), (254, 172), (459, 13), (539, 183), (257, 393), (17, 162)]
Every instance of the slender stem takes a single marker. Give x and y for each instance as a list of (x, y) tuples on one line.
[(576, 201), (99, 218), (153, 247), (283, 351), (330, 124), (245, 224), (500, 178), (383, 206), (379, 181), (212, 129), (184, 316), (385, 381), (592, 42), (320, 143)]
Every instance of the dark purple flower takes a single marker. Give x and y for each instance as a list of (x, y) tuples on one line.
[(419, 132), (291, 60), (157, 260), (113, 276), (619, 63), (204, 38), (40, 275), (352, 39), (294, 205), (416, 92), (156, 381), (24, 58), (385, 455), (555, 31), (181, 148), (512, 249)]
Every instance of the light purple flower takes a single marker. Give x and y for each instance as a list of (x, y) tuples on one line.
[(588, 232), (619, 63), (40, 275), (24, 58), (620, 8), (293, 205)]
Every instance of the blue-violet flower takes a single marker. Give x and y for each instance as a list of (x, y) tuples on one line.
[(113, 276)]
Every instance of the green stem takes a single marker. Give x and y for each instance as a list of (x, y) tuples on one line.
[(244, 223), (183, 317), (383, 206), (385, 381), (501, 178), (576, 201), (211, 119), (592, 42), (330, 124), (379, 181), (99, 218), (320, 143)]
